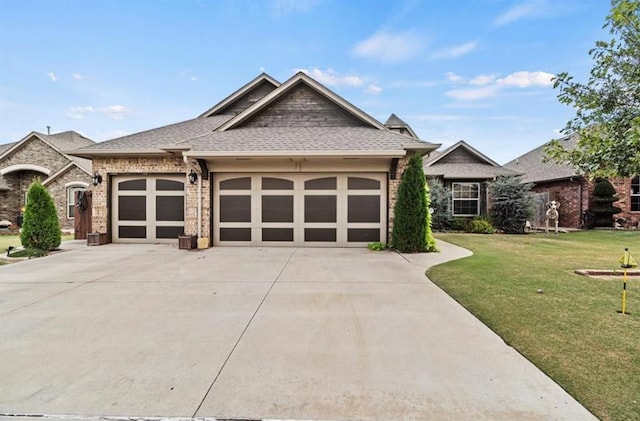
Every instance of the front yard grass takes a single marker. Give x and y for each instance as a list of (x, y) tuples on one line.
[(14, 240), (571, 331)]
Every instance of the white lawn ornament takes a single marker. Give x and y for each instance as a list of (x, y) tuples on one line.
[(552, 215)]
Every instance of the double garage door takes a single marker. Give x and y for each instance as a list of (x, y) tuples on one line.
[(147, 209), (331, 210)]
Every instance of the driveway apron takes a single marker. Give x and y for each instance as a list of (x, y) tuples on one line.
[(254, 333)]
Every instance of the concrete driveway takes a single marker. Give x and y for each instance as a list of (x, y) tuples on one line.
[(149, 330)]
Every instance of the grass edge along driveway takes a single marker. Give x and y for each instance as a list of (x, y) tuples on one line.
[(572, 330)]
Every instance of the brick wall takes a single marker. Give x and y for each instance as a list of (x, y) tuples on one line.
[(573, 197), (108, 167), (393, 191)]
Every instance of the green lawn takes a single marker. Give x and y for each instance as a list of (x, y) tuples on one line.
[(14, 240), (572, 331)]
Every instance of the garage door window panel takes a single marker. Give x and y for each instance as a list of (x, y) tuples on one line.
[(243, 183), (364, 208), (169, 232), (320, 234), (359, 183), (359, 235), (277, 208), (321, 208), (235, 208), (125, 231), (132, 208), (169, 208), (325, 183), (235, 234), (277, 234), (169, 185), (140, 184), (269, 183)]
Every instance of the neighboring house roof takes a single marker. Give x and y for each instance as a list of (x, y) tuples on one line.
[(58, 142), (241, 132), (6, 146), (396, 123), (535, 170), (462, 161)]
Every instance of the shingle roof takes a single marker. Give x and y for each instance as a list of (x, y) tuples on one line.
[(395, 121), (166, 135), (467, 170), (535, 170), (70, 140), (6, 146), (265, 139)]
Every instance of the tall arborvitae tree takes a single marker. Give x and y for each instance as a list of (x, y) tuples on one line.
[(410, 212), (512, 204), (40, 227), (431, 241)]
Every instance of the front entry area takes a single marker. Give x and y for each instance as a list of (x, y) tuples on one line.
[(322, 210)]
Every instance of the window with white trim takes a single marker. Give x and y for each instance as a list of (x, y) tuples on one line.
[(466, 199), (71, 199), (635, 194)]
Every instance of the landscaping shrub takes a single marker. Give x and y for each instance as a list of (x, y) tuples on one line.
[(481, 226), (376, 246), (440, 203), (459, 224), (40, 227), (604, 194), (512, 204), (410, 211)]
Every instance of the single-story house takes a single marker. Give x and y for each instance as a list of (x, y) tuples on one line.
[(467, 173), (42, 156), (273, 163), (573, 190)]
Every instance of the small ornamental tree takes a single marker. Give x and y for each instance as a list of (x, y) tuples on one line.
[(431, 241), (40, 227), (512, 204), (410, 211), (604, 194), (440, 202)]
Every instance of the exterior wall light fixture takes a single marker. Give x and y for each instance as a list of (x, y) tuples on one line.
[(193, 177), (96, 179)]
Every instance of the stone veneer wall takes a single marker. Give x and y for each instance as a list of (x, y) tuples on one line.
[(393, 191), (108, 167), (58, 190)]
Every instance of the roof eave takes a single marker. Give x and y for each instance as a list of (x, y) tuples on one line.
[(297, 154), (118, 153)]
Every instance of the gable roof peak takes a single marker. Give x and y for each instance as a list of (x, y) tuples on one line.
[(245, 89)]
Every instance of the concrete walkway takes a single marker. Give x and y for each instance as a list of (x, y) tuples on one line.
[(254, 333)]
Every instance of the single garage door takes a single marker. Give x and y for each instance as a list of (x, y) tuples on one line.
[(330, 210), (147, 209)]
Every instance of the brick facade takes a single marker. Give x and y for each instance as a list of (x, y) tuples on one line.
[(36, 152), (109, 167)]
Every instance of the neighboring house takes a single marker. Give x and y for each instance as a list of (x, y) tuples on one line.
[(42, 156), (289, 164), (565, 184), (467, 173)]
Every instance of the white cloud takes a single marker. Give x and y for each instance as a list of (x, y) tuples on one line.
[(455, 51), (115, 112), (520, 11), (414, 83), (473, 93), (330, 78), (482, 80), (485, 86), (373, 89), (527, 79), (452, 77), (52, 76), (389, 48), (76, 76), (79, 113)]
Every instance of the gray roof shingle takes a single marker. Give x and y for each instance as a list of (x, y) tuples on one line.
[(267, 139), (535, 170), (167, 135), (467, 171), (6, 146)]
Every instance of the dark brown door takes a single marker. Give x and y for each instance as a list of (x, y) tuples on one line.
[(82, 215)]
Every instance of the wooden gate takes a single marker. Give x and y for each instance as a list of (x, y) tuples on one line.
[(82, 215)]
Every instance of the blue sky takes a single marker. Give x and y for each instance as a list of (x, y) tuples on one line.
[(477, 70)]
